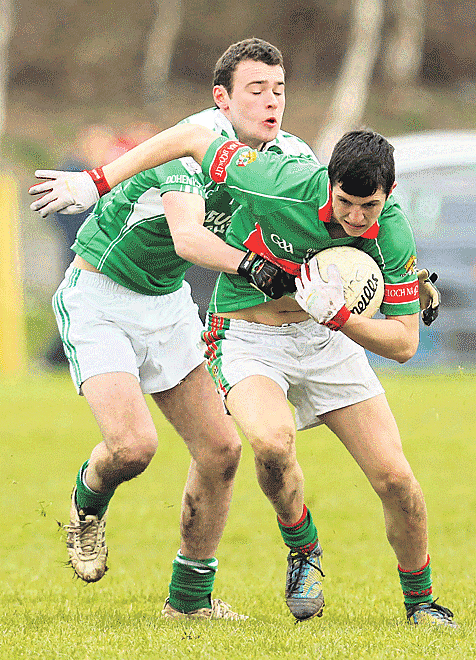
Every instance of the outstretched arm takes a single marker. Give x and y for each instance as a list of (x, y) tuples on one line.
[(73, 192), (176, 142)]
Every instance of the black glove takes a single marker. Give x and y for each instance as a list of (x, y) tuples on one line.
[(266, 276), (429, 296)]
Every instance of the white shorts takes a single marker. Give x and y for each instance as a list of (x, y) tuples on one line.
[(318, 370), (105, 327)]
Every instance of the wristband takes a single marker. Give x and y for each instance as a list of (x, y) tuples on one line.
[(97, 175), (338, 321), (245, 265)]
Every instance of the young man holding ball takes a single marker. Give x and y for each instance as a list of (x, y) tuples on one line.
[(264, 352)]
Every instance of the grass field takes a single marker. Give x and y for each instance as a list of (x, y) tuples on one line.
[(47, 431)]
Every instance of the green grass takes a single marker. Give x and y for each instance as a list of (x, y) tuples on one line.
[(47, 431)]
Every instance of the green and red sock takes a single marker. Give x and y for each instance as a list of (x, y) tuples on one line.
[(416, 585), (301, 535)]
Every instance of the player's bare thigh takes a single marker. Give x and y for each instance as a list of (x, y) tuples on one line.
[(119, 406), (195, 410), (369, 432), (260, 408)]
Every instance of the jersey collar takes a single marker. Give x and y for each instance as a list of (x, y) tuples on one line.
[(325, 213), (223, 124)]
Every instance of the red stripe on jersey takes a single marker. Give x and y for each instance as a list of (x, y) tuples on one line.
[(222, 159), (372, 232), (325, 212), (401, 293), (255, 243)]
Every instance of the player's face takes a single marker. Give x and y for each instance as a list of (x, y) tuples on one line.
[(256, 104), (356, 214)]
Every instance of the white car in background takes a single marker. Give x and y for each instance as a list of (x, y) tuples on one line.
[(436, 186)]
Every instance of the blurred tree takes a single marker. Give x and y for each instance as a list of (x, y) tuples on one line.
[(71, 51), (6, 28), (159, 50), (402, 60), (403, 54), (352, 88)]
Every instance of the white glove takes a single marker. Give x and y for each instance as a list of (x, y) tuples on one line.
[(324, 301), (67, 192)]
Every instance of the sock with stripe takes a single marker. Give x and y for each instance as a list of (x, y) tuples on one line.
[(88, 499), (192, 583), (301, 535), (416, 585)]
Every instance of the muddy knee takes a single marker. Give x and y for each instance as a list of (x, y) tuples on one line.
[(273, 459), (403, 491), (131, 454), (220, 463)]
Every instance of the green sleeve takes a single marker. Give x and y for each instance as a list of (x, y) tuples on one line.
[(262, 181), (182, 175)]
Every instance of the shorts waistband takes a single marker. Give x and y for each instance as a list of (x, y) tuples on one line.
[(101, 282), (308, 327)]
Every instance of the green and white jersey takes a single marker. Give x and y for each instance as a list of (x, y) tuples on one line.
[(284, 208), (127, 236)]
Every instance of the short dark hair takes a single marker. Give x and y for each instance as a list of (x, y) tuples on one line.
[(361, 162), (248, 49)]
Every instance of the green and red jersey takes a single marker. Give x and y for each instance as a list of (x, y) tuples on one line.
[(127, 236), (283, 214)]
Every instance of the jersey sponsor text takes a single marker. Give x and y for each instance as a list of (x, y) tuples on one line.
[(217, 222), (180, 178), (401, 293), (222, 159)]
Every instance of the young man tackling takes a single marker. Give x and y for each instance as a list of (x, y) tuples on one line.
[(130, 327), (289, 210)]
